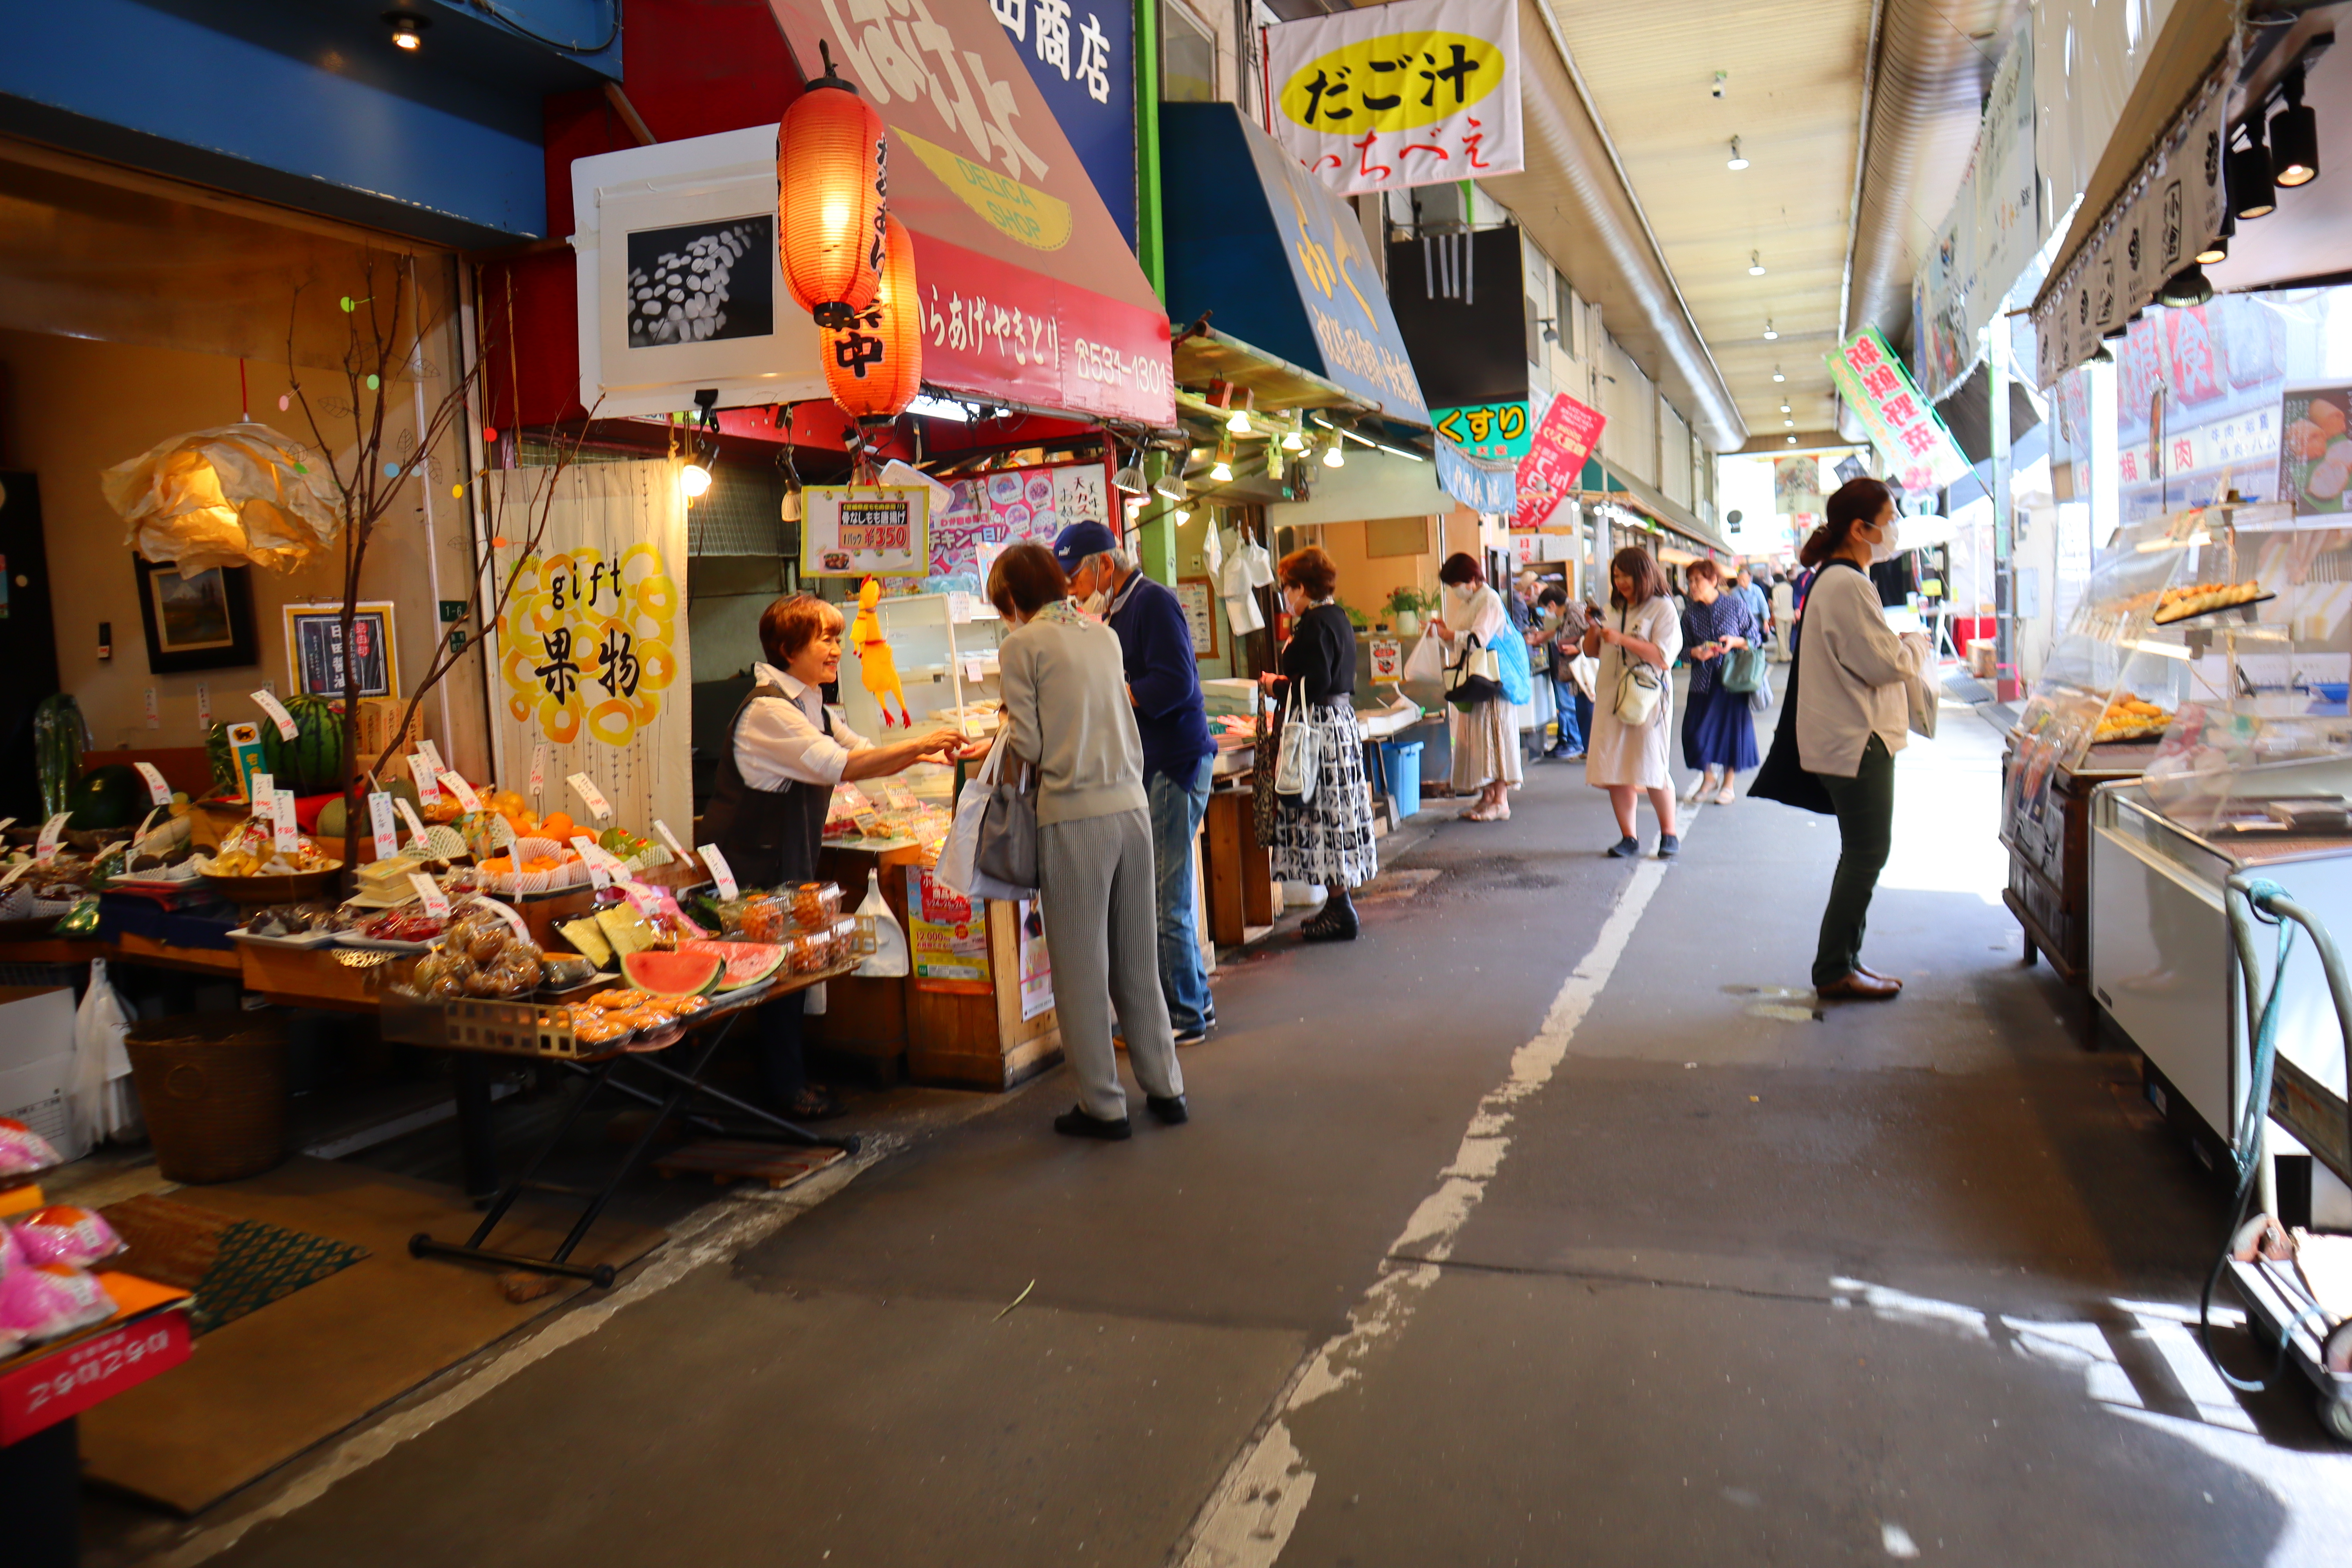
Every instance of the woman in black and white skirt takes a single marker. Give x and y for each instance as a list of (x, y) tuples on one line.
[(1328, 839)]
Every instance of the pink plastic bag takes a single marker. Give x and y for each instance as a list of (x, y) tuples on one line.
[(50, 1300), (22, 1149), (64, 1234)]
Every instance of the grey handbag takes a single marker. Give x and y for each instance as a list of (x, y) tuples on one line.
[(1007, 847)]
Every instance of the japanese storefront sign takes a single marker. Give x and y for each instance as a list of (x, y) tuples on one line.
[(588, 643), (1483, 487), (1990, 237), (1495, 431), (1556, 458), (1419, 92), (1081, 55), (1029, 292), (1903, 425), (866, 531), (949, 936), (1012, 504)]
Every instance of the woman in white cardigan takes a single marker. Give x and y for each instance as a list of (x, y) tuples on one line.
[(1641, 629), (1853, 679)]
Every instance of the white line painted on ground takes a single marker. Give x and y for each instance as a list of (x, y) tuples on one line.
[(1249, 1518)]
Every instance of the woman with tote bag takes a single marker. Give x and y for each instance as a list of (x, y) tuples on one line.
[(1636, 639), (1325, 831), (1725, 641), (1485, 733)]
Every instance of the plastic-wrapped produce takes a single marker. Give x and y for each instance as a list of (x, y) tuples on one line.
[(22, 1149), (64, 1234), (50, 1300)]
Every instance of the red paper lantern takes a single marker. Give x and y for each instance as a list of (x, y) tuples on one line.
[(832, 189), (874, 367)]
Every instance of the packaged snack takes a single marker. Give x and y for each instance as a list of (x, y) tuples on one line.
[(50, 1300), (815, 905), (64, 1234), (22, 1149), (12, 1256)]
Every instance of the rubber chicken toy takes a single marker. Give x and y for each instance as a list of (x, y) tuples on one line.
[(877, 666)]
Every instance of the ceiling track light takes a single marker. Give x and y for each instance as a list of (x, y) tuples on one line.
[(1756, 264), (2252, 193), (1239, 423), (1739, 159), (1769, 336), (1776, 376), (2217, 249), (1168, 486), (2185, 288), (1332, 456), (407, 30), (2294, 136)]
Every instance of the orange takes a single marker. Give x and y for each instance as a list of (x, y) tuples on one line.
[(557, 825)]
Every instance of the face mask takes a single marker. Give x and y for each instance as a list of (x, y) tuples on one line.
[(1094, 603), (1890, 542), (1463, 592)]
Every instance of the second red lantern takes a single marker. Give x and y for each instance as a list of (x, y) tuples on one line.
[(831, 190), (874, 367)]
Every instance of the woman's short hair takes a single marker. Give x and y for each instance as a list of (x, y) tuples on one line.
[(1462, 567), (1027, 577), (794, 622), (1641, 569), (1856, 500), (1703, 572), (1307, 568)]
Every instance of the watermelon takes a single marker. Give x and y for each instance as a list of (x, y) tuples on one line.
[(747, 962), (671, 973), (110, 796), (312, 762)]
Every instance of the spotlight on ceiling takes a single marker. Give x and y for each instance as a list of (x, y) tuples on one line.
[(1776, 376), (693, 480), (1294, 441), (1129, 480), (1168, 486), (2252, 193), (1790, 424), (1768, 333), (2217, 249), (407, 30), (1223, 472), (1183, 515), (1739, 159), (1332, 456), (2185, 287), (2295, 137), (1756, 264), (1792, 440)]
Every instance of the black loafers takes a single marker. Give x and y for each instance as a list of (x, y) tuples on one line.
[(1171, 1110), (1075, 1123)]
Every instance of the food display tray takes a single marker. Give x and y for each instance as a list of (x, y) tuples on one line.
[(307, 940)]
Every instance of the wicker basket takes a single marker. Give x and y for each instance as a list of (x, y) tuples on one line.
[(213, 1089)]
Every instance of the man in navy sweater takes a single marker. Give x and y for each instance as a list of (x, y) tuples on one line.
[(1163, 682)]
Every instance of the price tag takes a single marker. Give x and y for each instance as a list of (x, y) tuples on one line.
[(205, 706), (259, 788), (420, 772), (594, 859), (508, 913), (671, 839), (463, 791), (436, 902), (408, 814), (7, 822), (51, 831), (269, 702), (18, 870), (591, 796), (648, 902), (431, 755), (538, 770), (287, 844), (716, 864), (387, 835), (158, 792), (154, 711)]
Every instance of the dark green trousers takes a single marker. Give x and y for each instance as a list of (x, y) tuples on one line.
[(1865, 818)]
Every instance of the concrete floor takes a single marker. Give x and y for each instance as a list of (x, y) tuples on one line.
[(1546, 1223)]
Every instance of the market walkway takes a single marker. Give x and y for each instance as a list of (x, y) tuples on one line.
[(1709, 1277)]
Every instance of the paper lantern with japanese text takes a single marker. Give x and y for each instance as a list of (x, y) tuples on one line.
[(831, 190), (874, 367)]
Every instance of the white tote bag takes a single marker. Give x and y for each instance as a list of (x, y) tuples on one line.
[(955, 869), (1299, 761)]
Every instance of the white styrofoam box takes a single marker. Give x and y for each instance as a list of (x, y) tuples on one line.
[(37, 1025)]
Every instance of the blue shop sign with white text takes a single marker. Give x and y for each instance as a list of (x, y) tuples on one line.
[(1081, 55)]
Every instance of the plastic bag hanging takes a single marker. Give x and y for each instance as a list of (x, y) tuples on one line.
[(891, 958)]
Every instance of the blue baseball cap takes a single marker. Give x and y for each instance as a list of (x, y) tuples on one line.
[(1080, 540)]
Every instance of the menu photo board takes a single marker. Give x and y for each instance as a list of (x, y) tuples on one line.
[(865, 531)]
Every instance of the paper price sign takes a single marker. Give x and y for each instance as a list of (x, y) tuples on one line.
[(463, 791), (158, 792), (283, 811), (648, 902), (18, 870), (268, 703), (260, 789), (538, 769), (387, 834), (7, 822), (431, 755), (408, 814), (593, 859), (1388, 660), (671, 839), (52, 831), (420, 770), (591, 796), (716, 864), (507, 913), (436, 902)]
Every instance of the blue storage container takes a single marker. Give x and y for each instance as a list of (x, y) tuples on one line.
[(1400, 774)]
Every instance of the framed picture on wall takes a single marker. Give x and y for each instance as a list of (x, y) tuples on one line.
[(197, 620), (314, 649), (1198, 596)]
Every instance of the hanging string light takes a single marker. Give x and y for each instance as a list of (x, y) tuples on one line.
[(832, 185), (874, 365)]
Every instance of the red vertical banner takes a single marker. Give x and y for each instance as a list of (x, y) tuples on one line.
[(1556, 457)]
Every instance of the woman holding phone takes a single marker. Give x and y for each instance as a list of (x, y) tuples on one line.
[(1625, 754), (1718, 731)]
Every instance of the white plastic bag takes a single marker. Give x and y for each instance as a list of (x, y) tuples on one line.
[(955, 869), (1427, 659), (104, 1103), (891, 959)]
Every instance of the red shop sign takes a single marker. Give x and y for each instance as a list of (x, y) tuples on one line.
[(65, 1382), (1556, 458)]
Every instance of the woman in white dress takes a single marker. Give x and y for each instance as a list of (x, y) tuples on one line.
[(1485, 737), (1640, 628)]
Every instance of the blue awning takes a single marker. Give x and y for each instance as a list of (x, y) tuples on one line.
[(1281, 261), (1480, 486)]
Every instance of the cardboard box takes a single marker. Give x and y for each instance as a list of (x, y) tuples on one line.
[(378, 721), (37, 1045)]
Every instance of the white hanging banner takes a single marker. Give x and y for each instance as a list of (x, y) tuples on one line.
[(1419, 92)]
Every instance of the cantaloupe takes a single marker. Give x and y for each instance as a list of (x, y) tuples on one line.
[(671, 973)]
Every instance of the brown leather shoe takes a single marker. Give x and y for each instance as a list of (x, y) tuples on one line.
[(1859, 987), (1893, 980)]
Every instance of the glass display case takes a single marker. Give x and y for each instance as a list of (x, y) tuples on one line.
[(945, 648)]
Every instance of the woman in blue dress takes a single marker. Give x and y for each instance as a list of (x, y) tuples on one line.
[(1718, 732)]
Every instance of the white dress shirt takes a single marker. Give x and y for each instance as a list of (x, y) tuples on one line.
[(782, 740)]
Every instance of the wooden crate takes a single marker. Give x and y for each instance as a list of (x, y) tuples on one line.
[(1240, 873), (982, 1041)]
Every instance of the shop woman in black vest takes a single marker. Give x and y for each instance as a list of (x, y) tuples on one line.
[(775, 781)]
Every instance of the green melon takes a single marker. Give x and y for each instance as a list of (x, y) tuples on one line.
[(671, 973), (110, 796), (331, 815), (312, 762)]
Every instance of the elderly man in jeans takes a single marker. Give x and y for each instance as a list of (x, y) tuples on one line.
[(1163, 683)]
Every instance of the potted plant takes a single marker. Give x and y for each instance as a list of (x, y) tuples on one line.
[(1406, 607)]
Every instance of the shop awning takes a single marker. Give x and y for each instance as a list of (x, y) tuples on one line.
[(1275, 259), (1652, 503), (1030, 295)]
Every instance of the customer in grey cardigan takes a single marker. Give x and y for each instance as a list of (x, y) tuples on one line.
[(1066, 711)]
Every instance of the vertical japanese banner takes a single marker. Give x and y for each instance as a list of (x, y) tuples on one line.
[(1556, 457), (1419, 92), (590, 655), (1903, 425)]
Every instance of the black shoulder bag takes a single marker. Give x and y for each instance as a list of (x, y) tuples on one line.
[(1783, 776)]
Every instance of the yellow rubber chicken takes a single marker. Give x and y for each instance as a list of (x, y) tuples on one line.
[(877, 666)]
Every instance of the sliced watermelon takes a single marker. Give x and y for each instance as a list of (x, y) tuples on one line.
[(671, 973), (746, 963)]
